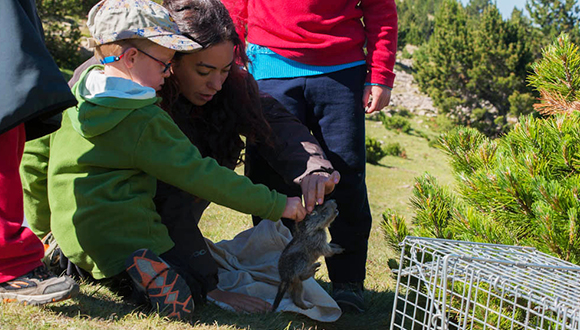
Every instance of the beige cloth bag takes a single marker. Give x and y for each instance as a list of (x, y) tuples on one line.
[(248, 264)]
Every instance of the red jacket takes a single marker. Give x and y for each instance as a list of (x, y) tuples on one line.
[(323, 32)]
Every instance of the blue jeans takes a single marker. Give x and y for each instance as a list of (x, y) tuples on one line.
[(330, 106)]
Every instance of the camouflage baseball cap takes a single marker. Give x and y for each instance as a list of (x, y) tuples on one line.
[(114, 20)]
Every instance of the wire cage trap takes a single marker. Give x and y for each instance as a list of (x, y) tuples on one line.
[(446, 284)]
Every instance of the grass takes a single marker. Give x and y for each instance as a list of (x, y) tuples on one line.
[(389, 186)]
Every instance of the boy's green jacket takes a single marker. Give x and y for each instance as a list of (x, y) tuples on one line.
[(102, 172)]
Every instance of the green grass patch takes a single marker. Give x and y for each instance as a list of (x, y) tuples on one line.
[(389, 183)]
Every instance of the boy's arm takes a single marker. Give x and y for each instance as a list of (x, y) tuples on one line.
[(166, 153), (33, 173), (380, 19)]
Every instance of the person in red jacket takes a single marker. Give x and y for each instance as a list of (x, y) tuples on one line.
[(32, 88), (310, 56)]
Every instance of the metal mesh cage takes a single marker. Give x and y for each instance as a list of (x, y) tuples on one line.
[(446, 284)]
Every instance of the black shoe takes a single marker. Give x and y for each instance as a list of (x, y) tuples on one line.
[(38, 287), (349, 296)]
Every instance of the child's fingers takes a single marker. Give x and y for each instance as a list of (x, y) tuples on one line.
[(300, 213), (366, 96)]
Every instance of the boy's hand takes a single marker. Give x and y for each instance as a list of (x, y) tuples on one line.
[(316, 185), (375, 98), (294, 209)]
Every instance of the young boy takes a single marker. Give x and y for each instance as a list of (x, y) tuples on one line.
[(111, 149)]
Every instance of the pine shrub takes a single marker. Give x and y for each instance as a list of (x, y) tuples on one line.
[(395, 149), (375, 150), (396, 123), (475, 63), (522, 188)]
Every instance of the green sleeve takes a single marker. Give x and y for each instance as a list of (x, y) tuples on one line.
[(33, 173), (166, 153)]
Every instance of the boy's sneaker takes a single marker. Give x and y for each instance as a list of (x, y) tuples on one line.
[(349, 296), (57, 263), (51, 254), (167, 291), (38, 287)]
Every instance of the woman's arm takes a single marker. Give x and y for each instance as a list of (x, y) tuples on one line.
[(296, 154)]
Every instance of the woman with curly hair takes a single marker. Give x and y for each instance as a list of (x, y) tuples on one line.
[(214, 101)]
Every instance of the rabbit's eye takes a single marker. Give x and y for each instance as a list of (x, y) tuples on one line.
[(314, 213)]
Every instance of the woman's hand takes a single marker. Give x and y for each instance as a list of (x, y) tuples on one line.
[(240, 302), (316, 185), (294, 209)]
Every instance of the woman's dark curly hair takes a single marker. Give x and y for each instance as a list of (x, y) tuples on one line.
[(233, 111)]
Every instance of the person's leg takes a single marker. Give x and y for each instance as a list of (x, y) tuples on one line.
[(23, 277), (187, 271), (34, 173), (339, 126), (160, 283), (20, 250), (180, 213), (190, 255)]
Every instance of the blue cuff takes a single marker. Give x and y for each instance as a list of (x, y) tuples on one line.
[(374, 84)]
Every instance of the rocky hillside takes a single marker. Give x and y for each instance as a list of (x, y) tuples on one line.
[(406, 93)]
